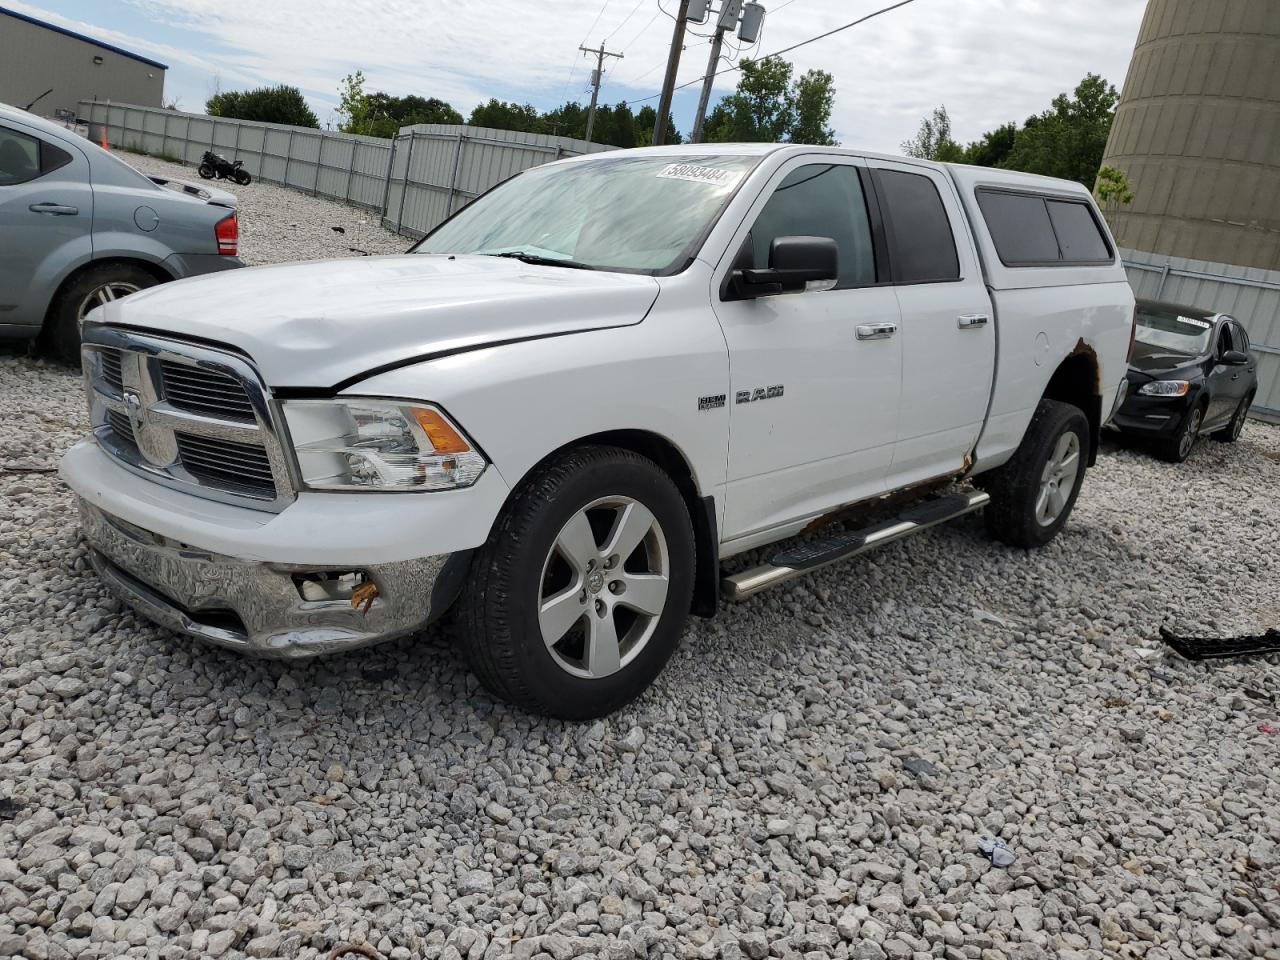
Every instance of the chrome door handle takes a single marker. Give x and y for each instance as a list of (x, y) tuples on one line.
[(54, 209), (876, 331), (971, 320)]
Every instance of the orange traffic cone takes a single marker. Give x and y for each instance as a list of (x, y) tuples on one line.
[(104, 137)]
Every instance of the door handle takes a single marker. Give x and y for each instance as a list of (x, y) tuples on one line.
[(54, 209), (971, 321), (876, 331)]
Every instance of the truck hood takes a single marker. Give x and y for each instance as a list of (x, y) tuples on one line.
[(327, 323)]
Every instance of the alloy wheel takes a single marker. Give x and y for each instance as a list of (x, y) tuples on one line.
[(104, 294), (604, 587), (1237, 424), (1189, 435), (1058, 479)]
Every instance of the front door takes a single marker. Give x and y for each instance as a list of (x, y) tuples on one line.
[(815, 375), (46, 216)]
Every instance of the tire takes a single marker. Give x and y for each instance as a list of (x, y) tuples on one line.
[(1050, 460), (1231, 432), (95, 286), (525, 576), (242, 177), (1178, 447), (205, 170)]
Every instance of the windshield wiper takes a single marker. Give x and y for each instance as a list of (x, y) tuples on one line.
[(540, 260)]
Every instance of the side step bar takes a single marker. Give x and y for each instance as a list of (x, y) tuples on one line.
[(807, 557)]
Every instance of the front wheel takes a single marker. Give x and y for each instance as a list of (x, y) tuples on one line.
[(579, 597), (1177, 448), (242, 177), (1033, 494), (205, 170)]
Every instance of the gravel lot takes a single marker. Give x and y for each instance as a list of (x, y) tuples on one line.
[(159, 798)]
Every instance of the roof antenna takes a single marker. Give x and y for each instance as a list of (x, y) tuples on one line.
[(37, 100)]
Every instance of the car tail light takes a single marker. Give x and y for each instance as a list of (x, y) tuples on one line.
[(227, 230), (1133, 332)]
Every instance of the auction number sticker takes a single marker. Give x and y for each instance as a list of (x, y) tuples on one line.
[(1195, 323), (696, 173)]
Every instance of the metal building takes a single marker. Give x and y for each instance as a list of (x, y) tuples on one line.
[(1197, 133), (57, 68)]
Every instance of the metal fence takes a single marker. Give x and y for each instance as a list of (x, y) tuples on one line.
[(1250, 295), (413, 181)]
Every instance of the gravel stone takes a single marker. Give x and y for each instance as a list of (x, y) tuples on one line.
[(162, 798)]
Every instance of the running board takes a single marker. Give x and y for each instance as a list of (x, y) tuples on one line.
[(815, 554)]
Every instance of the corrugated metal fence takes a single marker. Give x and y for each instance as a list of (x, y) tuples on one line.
[(1250, 295), (414, 181)]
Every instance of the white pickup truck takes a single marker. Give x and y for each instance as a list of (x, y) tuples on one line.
[(567, 405)]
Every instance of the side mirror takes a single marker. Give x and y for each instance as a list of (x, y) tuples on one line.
[(1235, 358), (794, 263)]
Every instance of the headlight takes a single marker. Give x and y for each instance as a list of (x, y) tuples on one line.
[(379, 445), (1165, 388)]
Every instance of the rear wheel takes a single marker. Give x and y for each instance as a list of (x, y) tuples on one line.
[(579, 597), (93, 288), (1178, 447), (242, 177), (1231, 432), (1033, 494)]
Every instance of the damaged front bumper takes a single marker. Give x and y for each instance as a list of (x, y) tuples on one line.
[(258, 607)]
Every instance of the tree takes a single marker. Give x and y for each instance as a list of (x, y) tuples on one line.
[(646, 120), (280, 104), (507, 116), (382, 115), (993, 148), (1068, 139), (933, 140), (768, 107), (1112, 188), (353, 104), (814, 96)]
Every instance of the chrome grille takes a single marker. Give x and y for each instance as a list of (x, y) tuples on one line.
[(187, 416), (111, 370), (206, 391), (239, 467)]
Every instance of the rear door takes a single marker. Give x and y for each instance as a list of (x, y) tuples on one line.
[(1226, 382), (948, 331), (814, 375), (46, 218)]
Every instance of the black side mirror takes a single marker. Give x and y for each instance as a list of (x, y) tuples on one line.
[(794, 263), (1235, 358)]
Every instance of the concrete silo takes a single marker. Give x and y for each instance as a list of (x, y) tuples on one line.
[(1197, 132)]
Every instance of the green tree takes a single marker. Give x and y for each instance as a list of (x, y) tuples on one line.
[(1069, 138), (933, 141), (814, 95), (1112, 188), (382, 115), (646, 120), (994, 146), (353, 105), (280, 104), (769, 107), (508, 116)]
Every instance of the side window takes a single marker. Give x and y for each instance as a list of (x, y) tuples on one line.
[(1224, 340), (821, 200), (24, 158), (922, 247), (1020, 228), (19, 157), (1078, 232), (1242, 337)]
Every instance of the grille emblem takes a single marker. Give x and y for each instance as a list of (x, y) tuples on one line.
[(155, 440)]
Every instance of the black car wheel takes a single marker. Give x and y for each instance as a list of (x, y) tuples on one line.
[(1231, 432), (1178, 447)]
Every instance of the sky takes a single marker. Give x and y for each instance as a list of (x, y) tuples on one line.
[(988, 61)]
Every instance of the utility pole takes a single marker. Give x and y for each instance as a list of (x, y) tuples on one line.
[(596, 76), (752, 18), (669, 82)]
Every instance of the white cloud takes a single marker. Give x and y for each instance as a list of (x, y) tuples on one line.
[(989, 61)]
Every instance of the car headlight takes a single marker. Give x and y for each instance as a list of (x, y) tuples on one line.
[(1165, 388), (360, 444)]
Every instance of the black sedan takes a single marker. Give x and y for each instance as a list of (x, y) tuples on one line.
[(1190, 372)]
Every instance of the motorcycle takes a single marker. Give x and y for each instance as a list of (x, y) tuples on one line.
[(215, 165)]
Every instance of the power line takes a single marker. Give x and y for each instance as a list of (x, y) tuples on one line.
[(574, 67), (625, 20), (795, 46)]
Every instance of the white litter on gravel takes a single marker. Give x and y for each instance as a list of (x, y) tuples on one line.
[(809, 777)]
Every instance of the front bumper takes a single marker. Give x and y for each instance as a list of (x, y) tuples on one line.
[(250, 605), (1151, 416)]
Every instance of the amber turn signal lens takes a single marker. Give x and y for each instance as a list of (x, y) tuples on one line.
[(440, 432)]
